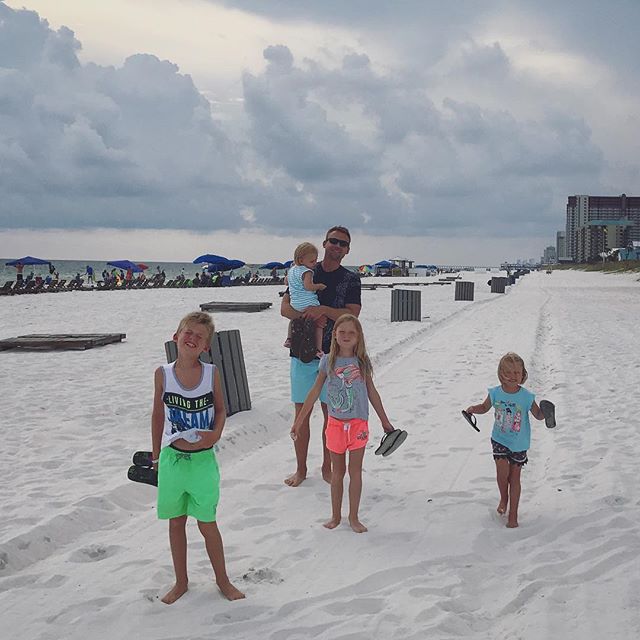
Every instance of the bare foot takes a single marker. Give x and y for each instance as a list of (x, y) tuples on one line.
[(177, 592), (230, 592), (502, 508), (332, 524), (295, 479), (326, 474), (512, 524), (357, 526)]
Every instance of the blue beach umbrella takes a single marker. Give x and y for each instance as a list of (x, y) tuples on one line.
[(210, 258), (125, 265), (225, 265), (426, 266), (385, 264), (288, 263), (27, 260), (273, 265)]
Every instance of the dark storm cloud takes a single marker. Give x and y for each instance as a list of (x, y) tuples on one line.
[(456, 140)]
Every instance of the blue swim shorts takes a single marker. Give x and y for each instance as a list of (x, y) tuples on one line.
[(303, 377)]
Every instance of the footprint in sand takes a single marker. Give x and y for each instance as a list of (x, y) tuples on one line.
[(262, 575), (93, 553)]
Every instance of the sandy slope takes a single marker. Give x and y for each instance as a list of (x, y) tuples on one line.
[(81, 552)]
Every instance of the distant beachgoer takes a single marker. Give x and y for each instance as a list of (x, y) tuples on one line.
[(511, 435), (129, 276), (89, 272), (342, 295), (187, 420), (52, 268), (19, 269), (348, 373), (302, 289)]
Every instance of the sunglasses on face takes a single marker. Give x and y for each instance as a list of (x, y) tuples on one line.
[(341, 243)]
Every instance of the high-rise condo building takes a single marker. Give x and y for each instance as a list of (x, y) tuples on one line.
[(596, 224)]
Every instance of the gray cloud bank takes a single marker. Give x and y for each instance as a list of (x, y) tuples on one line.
[(385, 150)]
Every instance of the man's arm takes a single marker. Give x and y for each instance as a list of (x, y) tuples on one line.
[(286, 310)]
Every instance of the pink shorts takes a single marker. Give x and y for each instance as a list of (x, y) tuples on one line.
[(346, 435)]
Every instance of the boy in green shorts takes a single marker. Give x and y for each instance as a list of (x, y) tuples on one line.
[(187, 420)]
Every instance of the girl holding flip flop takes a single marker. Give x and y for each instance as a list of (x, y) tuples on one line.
[(511, 434), (350, 388)]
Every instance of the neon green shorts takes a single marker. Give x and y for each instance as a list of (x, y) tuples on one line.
[(188, 484)]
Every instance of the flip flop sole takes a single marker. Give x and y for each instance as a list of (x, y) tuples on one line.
[(549, 412), (145, 475), (470, 419), (396, 443), (142, 458)]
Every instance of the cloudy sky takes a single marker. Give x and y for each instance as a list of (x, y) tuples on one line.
[(448, 131)]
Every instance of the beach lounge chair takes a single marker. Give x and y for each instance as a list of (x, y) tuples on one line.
[(6, 288)]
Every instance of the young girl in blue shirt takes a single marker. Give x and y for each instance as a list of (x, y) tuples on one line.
[(511, 435)]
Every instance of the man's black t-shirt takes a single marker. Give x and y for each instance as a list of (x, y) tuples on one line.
[(343, 288)]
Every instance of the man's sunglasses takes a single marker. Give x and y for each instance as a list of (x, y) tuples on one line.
[(340, 243)]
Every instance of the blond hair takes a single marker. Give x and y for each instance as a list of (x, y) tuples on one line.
[(303, 249), (513, 359), (360, 352), (198, 317)]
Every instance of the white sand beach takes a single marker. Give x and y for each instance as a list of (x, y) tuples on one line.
[(83, 555)]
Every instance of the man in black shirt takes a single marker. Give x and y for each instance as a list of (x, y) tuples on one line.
[(342, 295)]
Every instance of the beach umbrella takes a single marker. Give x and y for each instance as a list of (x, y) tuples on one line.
[(225, 265), (210, 258), (273, 265), (288, 263), (125, 265), (385, 264), (27, 260), (142, 265)]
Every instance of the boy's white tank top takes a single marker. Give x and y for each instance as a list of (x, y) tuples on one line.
[(187, 411)]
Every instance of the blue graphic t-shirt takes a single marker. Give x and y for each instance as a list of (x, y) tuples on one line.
[(511, 427), (347, 396)]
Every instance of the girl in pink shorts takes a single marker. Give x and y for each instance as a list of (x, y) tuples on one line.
[(348, 372)]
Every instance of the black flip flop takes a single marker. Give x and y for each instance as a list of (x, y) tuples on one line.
[(471, 419), (142, 459), (391, 440), (549, 412), (146, 475)]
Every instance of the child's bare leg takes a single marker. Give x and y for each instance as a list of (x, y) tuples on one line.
[(215, 551), (502, 476), (514, 495), (355, 489), (301, 446), (338, 463), (326, 454), (178, 543)]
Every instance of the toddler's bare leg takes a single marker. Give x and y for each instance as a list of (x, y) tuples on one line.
[(502, 476), (178, 543), (215, 551), (338, 464), (514, 495), (355, 489)]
